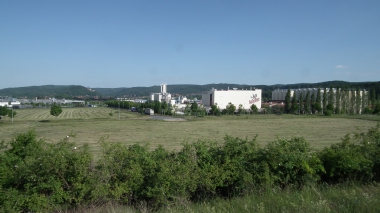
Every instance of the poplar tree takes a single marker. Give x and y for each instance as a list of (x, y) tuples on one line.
[(300, 104), (287, 102), (364, 100), (294, 107), (324, 102), (312, 105), (307, 103), (344, 95), (337, 103), (318, 101), (330, 105), (358, 100)]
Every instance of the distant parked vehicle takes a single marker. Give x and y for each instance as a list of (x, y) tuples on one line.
[(149, 111)]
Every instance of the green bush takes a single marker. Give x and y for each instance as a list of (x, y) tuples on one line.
[(39, 175), (345, 161), (327, 112), (370, 147), (290, 162)]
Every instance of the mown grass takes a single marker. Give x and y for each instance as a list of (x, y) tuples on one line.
[(92, 124)]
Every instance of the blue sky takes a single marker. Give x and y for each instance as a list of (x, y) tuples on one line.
[(143, 43)]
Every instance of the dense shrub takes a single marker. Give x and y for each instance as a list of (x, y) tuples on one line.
[(346, 161), (35, 175), (290, 162), (355, 158), (327, 112), (223, 170), (370, 148)]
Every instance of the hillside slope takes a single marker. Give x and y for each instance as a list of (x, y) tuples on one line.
[(57, 91)]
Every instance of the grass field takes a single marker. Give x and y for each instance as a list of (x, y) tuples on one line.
[(92, 124)]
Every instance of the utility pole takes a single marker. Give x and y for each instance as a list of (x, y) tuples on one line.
[(119, 109)]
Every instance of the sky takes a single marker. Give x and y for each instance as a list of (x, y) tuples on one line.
[(131, 43)]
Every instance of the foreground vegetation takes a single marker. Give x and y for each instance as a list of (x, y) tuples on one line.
[(38, 176), (347, 197)]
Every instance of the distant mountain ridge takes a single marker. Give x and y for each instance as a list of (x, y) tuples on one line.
[(182, 89), (57, 91)]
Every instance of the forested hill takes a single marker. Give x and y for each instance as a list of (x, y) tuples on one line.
[(48, 91), (182, 89), (187, 89)]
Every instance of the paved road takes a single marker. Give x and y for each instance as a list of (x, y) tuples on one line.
[(166, 118)]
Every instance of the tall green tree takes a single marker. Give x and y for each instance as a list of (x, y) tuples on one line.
[(4, 111), (254, 109), (312, 103), (194, 108), (287, 102), (338, 101), (215, 110), (157, 107), (324, 101), (307, 103), (331, 101), (164, 107), (364, 100), (294, 107), (300, 104), (358, 101), (55, 110), (318, 101), (373, 97), (344, 97), (230, 108)]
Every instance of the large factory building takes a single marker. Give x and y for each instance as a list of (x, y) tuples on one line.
[(222, 97), (162, 96)]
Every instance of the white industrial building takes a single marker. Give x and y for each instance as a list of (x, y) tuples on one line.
[(162, 96), (222, 97)]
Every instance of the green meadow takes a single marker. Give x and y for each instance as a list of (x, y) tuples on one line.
[(92, 124)]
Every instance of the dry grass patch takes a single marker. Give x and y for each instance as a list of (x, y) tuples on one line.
[(92, 124)]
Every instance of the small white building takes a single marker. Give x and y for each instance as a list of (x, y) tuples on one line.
[(4, 103), (222, 97)]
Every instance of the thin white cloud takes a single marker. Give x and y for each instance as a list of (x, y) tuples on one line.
[(341, 67)]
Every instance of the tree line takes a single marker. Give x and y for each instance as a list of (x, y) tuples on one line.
[(333, 101), (190, 108)]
